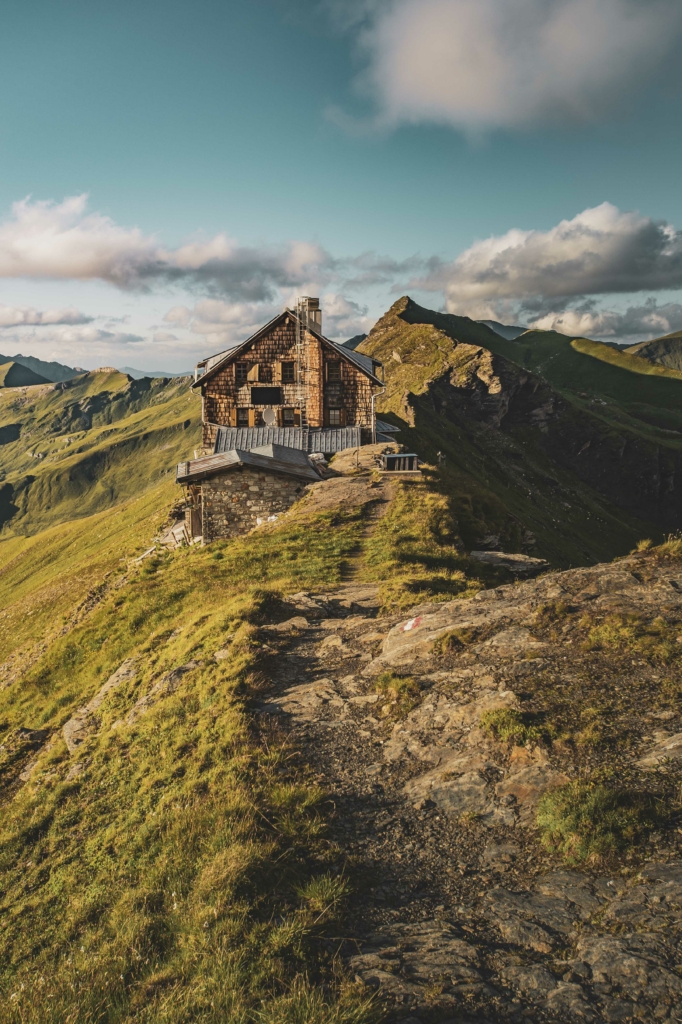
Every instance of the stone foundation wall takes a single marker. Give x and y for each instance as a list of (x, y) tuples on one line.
[(234, 501)]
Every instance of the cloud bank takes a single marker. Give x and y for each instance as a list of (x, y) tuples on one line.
[(15, 316), (44, 239), (485, 64), (223, 323), (549, 277), (557, 278)]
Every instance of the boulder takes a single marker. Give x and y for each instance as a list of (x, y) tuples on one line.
[(520, 565)]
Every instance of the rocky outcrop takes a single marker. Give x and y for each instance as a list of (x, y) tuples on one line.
[(460, 914), (520, 565), (164, 687), (602, 588), (84, 722)]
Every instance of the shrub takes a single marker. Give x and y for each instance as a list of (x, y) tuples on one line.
[(656, 640), (450, 643), (511, 726), (402, 693), (589, 823)]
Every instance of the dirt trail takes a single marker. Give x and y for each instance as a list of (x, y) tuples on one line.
[(458, 914), (375, 511)]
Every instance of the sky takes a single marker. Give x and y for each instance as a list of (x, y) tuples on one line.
[(172, 175)]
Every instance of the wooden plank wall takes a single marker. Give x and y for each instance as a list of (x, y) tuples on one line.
[(223, 394)]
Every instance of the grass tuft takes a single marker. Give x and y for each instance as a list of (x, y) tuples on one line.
[(510, 726), (593, 824), (402, 695), (656, 640)]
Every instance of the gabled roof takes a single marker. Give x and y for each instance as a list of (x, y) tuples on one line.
[(282, 460), (216, 363)]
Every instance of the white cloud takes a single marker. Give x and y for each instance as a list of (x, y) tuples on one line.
[(343, 318), (179, 315), (224, 323), (76, 345), (644, 321), (14, 316), (601, 251), (483, 64), (43, 239)]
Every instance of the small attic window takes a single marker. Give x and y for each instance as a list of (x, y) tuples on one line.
[(241, 372), (334, 371)]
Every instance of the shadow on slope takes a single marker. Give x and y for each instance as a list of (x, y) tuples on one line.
[(527, 466)]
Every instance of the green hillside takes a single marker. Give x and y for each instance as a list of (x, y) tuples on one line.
[(581, 470), (665, 351), (111, 873), (74, 448), (177, 866), (15, 375)]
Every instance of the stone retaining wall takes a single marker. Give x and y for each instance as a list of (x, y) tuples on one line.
[(239, 499)]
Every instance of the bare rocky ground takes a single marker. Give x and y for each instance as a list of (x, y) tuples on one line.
[(458, 912)]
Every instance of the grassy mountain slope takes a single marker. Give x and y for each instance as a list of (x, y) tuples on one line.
[(77, 447), (665, 351), (529, 453), (175, 868), (15, 375)]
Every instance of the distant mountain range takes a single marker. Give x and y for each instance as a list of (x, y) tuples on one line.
[(40, 371), (138, 374), (49, 372), (504, 330), (16, 375), (665, 351), (354, 341)]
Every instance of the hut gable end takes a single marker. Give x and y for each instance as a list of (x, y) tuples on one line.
[(314, 384)]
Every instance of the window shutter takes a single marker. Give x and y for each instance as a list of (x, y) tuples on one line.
[(252, 417), (342, 418), (297, 417), (233, 417), (253, 372), (278, 373)]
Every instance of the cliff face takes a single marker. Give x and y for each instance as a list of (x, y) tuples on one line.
[(446, 377)]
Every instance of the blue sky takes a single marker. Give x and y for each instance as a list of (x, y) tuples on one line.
[(488, 157)]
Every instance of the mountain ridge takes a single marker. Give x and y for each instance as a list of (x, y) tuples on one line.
[(16, 375)]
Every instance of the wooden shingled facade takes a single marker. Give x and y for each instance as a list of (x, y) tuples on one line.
[(327, 387)]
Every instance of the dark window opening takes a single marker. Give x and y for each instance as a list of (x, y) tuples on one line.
[(288, 374), (266, 396), (241, 372), (288, 418), (265, 373), (242, 417), (334, 371)]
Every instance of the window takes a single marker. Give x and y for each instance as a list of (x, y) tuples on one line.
[(288, 418), (334, 371), (288, 373), (266, 396), (242, 417), (334, 417), (241, 372)]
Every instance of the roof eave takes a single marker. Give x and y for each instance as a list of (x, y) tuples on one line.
[(254, 337)]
